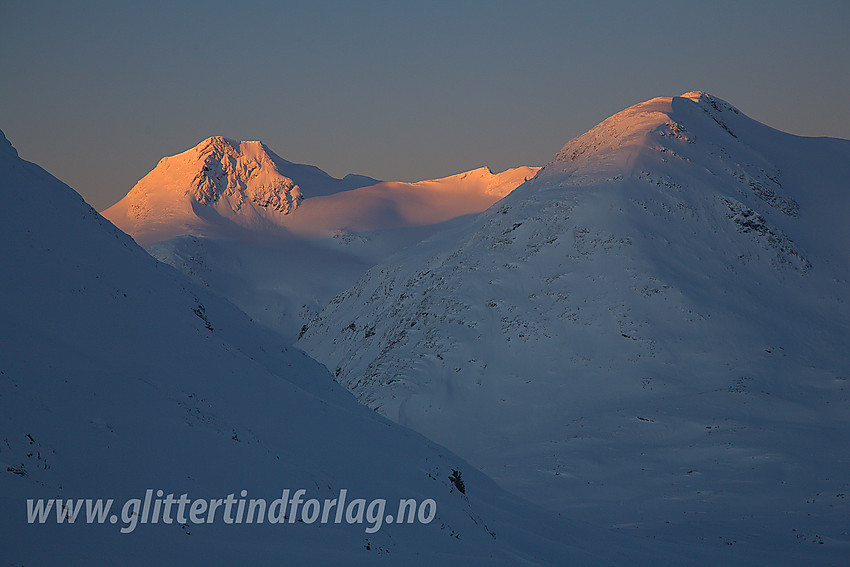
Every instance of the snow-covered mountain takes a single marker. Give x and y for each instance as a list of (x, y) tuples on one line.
[(652, 332), (221, 187), (118, 376), (279, 239), (226, 188)]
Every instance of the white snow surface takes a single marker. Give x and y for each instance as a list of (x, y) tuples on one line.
[(652, 333), (117, 375)]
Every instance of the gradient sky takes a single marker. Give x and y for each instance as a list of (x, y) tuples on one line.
[(98, 92)]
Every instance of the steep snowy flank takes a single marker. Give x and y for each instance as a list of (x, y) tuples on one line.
[(117, 375), (651, 332), (221, 186)]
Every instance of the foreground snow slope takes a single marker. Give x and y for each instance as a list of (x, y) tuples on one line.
[(118, 375), (652, 333)]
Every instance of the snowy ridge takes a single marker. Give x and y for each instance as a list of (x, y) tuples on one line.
[(243, 190), (7, 150), (395, 204), (653, 327)]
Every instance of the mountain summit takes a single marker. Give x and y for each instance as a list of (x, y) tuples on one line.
[(218, 186), (633, 127), (237, 172), (653, 330)]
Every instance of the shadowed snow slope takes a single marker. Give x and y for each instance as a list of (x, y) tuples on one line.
[(651, 332), (118, 375)]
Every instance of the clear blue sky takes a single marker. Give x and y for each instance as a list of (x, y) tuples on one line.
[(98, 92)]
